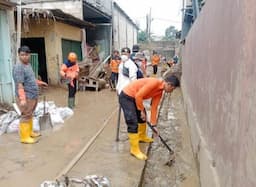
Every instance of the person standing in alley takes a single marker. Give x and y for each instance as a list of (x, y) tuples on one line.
[(114, 64), (26, 91), (155, 59), (69, 72), (135, 49), (127, 70), (131, 101)]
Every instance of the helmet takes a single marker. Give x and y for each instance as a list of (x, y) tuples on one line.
[(72, 57)]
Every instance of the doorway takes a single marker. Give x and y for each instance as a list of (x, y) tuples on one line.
[(37, 45)]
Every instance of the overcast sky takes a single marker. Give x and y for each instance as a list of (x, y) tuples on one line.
[(164, 13)]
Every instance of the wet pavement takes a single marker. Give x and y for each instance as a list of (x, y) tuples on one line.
[(29, 165)]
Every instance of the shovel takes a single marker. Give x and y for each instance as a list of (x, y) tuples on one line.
[(45, 121), (171, 161)]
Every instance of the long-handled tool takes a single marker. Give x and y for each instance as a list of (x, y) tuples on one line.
[(118, 123), (45, 120), (171, 161)]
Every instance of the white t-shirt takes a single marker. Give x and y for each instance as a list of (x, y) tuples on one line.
[(124, 80)]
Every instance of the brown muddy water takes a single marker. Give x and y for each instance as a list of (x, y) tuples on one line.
[(173, 128)]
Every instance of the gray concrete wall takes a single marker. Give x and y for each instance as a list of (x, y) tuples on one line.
[(218, 82)]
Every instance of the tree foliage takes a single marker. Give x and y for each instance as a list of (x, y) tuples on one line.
[(142, 36), (170, 33)]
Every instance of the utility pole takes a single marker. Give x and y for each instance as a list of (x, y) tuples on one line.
[(148, 25)]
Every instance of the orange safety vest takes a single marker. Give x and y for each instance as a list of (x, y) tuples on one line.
[(114, 65), (155, 60)]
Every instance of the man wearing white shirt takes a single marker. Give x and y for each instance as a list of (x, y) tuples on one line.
[(127, 70)]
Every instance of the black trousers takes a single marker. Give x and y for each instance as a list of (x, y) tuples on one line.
[(154, 69), (131, 113), (114, 79), (71, 89)]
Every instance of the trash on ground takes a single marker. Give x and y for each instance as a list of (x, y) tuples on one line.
[(88, 181), (9, 122)]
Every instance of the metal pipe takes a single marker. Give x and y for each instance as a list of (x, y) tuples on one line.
[(196, 8), (18, 25)]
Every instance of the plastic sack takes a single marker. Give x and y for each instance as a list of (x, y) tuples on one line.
[(36, 126), (56, 118), (65, 112), (6, 119), (13, 126)]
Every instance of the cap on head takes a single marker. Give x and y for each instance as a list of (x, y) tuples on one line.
[(24, 49), (125, 50), (173, 80), (72, 57), (135, 48)]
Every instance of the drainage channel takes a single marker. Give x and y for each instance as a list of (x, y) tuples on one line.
[(172, 126)]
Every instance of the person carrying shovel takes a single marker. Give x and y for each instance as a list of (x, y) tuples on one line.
[(131, 100), (69, 73), (26, 91)]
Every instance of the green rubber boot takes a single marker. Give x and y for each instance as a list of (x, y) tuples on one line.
[(71, 102)]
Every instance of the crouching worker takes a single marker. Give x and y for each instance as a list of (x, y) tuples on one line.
[(131, 101), (26, 91), (69, 73)]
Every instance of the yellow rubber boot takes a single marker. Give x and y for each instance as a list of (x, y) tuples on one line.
[(25, 134), (134, 146), (32, 133), (142, 131)]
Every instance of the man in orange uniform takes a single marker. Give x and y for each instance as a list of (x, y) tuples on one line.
[(131, 101), (114, 70), (155, 59), (69, 72)]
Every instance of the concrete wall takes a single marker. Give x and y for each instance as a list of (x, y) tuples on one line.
[(53, 32), (124, 32), (219, 73)]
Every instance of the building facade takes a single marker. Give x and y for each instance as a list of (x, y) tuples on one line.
[(7, 51)]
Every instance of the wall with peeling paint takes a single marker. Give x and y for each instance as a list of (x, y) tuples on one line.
[(219, 73)]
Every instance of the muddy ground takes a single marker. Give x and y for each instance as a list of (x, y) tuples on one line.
[(29, 165), (173, 128)]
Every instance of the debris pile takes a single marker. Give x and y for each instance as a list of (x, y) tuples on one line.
[(9, 122)]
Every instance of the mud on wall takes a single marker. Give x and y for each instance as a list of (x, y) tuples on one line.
[(219, 73)]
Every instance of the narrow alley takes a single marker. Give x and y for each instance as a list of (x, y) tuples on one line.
[(117, 93)]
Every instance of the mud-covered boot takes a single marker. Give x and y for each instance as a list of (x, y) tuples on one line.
[(71, 102), (142, 131), (134, 146), (25, 134), (32, 133)]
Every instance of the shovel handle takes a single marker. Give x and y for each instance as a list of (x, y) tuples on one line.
[(162, 140), (44, 105), (118, 123)]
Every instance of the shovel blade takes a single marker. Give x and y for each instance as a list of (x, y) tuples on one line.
[(45, 122)]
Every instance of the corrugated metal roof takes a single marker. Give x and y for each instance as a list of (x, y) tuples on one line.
[(58, 15), (6, 4)]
